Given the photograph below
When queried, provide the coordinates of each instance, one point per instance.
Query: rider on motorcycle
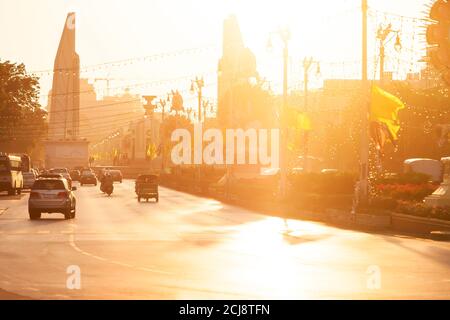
(107, 181)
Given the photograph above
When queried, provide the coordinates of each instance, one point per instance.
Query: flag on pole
(299, 125)
(298, 120)
(384, 110)
(151, 151)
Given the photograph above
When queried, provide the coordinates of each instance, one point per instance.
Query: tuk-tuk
(146, 187)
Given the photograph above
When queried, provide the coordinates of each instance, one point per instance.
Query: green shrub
(314, 201)
(424, 211)
(404, 178)
(322, 183)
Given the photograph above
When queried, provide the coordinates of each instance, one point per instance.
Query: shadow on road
(49, 221)
(5, 196)
(439, 255)
(150, 202)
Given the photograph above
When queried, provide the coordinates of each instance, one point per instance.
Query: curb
(440, 235)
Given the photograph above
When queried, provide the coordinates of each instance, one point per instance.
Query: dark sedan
(75, 175)
(116, 175)
(87, 178)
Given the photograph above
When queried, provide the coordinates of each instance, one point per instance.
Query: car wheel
(34, 215)
(68, 214)
(19, 191)
(139, 199)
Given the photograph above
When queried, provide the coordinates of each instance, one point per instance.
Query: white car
(52, 194)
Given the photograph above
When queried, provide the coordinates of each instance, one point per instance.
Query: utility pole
(364, 157)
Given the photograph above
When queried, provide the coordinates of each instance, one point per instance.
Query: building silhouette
(236, 66)
(64, 116)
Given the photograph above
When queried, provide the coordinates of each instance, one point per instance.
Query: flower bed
(423, 211)
(408, 192)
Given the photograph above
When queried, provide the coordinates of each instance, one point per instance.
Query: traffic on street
(188, 247)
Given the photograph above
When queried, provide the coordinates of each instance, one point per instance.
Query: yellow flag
(304, 122)
(384, 108)
(298, 120)
(151, 151)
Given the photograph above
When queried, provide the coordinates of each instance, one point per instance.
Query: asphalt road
(188, 247)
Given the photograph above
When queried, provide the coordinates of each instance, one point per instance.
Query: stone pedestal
(441, 197)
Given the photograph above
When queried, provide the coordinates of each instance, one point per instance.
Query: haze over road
(188, 247)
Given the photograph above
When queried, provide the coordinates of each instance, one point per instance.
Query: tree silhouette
(22, 121)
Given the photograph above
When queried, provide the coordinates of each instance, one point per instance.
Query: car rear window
(148, 179)
(49, 185)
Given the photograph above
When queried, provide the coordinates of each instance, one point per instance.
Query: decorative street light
(307, 64)
(197, 85)
(285, 36)
(382, 35)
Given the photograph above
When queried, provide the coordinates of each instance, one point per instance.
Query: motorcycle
(107, 188)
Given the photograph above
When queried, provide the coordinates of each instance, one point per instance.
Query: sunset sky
(110, 30)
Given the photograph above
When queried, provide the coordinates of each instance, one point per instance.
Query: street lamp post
(197, 86)
(149, 112)
(163, 104)
(382, 35)
(285, 36)
(363, 185)
(307, 64)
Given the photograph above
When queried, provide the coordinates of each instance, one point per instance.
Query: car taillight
(34, 195)
(63, 195)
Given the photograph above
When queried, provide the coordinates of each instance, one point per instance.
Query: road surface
(187, 247)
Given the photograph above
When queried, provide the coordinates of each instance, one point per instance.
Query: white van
(431, 167)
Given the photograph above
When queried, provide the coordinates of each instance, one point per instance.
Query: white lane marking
(19, 233)
(43, 232)
(76, 248)
(123, 264)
